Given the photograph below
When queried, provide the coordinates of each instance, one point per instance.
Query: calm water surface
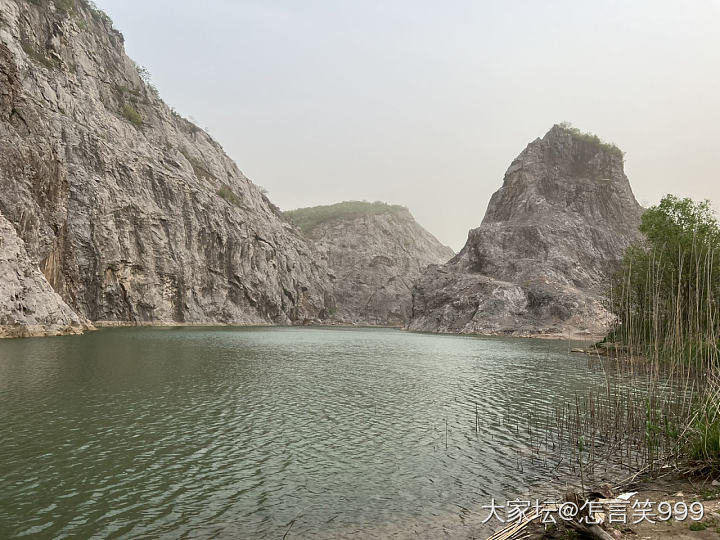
(245, 433)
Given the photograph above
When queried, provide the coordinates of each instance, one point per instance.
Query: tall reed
(658, 400)
(666, 299)
(666, 295)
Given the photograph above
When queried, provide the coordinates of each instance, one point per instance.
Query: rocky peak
(565, 171)
(564, 198)
(552, 235)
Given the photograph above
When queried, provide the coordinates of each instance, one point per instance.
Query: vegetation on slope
(309, 218)
(591, 140)
(69, 7)
(38, 56)
(667, 301)
(667, 294)
(131, 114)
(664, 406)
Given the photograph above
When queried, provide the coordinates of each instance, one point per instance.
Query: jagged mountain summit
(540, 261)
(133, 213)
(375, 252)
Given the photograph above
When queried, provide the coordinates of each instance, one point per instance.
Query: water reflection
(253, 432)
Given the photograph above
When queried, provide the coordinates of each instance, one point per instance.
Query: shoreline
(37, 331)
(668, 484)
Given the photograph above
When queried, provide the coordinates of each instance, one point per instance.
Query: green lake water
(259, 432)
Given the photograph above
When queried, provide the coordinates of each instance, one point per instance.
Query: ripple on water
(330, 433)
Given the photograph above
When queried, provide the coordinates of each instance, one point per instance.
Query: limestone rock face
(375, 253)
(133, 213)
(540, 261)
(28, 304)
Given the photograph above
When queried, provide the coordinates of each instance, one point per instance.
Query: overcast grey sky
(426, 103)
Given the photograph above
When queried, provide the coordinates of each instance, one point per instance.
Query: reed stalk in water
(662, 403)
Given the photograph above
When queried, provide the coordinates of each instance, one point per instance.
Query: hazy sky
(426, 103)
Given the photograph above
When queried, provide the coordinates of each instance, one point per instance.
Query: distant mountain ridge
(310, 217)
(375, 252)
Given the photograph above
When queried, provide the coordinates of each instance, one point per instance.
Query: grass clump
(226, 193)
(309, 218)
(65, 6)
(97, 13)
(131, 114)
(198, 168)
(591, 140)
(38, 56)
(701, 439)
(711, 494)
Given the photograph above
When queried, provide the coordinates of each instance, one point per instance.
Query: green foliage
(701, 440)
(678, 224)
(667, 301)
(667, 294)
(65, 6)
(97, 13)
(144, 75)
(131, 114)
(698, 526)
(39, 57)
(309, 218)
(198, 168)
(591, 140)
(226, 193)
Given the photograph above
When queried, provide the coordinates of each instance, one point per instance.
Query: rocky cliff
(539, 263)
(28, 304)
(375, 253)
(132, 213)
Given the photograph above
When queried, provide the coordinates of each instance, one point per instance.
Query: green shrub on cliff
(131, 114)
(38, 56)
(592, 140)
(66, 6)
(97, 13)
(229, 195)
(309, 218)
